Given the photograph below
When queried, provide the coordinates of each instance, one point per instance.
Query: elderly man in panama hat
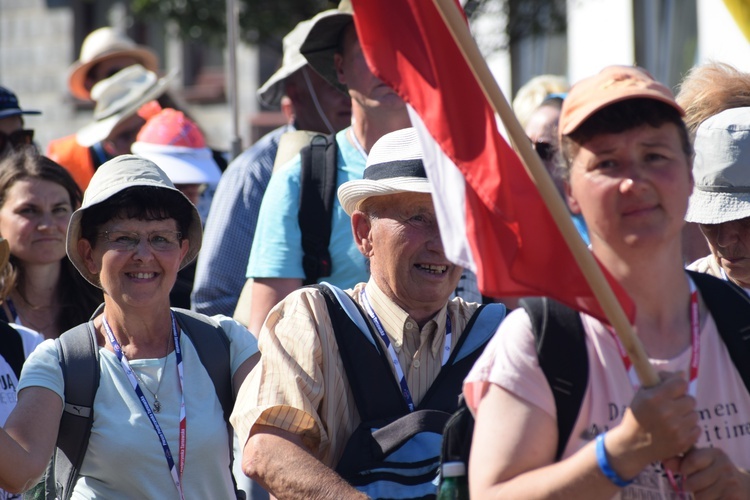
(310, 103)
(303, 404)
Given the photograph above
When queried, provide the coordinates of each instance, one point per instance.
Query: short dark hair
(137, 202)
(620, 117)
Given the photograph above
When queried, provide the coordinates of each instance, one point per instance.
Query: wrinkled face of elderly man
(399, 234)
(730, 245)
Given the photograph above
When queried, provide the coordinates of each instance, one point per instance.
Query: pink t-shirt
(510, 361)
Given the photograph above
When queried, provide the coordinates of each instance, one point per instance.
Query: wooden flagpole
(457, 26)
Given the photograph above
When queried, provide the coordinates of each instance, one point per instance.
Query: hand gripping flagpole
(610, 305)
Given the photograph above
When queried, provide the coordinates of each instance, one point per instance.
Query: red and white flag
(492, 218)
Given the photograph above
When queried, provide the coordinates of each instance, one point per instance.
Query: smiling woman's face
(141, 274)
(34, 220)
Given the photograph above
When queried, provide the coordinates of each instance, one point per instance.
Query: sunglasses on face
(16, 138)
(545, 150)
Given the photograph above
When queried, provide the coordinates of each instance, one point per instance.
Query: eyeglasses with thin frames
(127, 241)
(22, 137)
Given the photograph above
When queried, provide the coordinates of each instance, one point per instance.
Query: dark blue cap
(9, 105)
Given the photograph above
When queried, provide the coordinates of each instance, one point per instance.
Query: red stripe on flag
(517, 248)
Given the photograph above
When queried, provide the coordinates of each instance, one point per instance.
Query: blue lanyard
(405, 392)
(176, 475)
(12, 308)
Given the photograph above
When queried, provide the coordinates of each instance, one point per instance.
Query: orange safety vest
(75, 158)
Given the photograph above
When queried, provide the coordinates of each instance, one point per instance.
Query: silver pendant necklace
(157, 404)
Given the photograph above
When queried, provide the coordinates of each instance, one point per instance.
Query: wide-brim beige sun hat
(114, 176)
(119, 97)
(272, 90)
(100, 45)
(721, 169)
(322, 41)
(394, 165)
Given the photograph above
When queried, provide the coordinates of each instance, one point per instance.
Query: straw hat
(323, 39)
(114, 176)
(176, 145)
(119, 97)
(100, 45)
(271, 91)
(721, 169)
(394, 165)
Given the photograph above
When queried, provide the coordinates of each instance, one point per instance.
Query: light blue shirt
(230, 227)
(277, 247)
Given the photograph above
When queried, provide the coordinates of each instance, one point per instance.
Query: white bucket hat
(271, 91)
(100, 45)
(119, 97)
(721, 169)
(174, 142)
(394, 165)
(114, 176)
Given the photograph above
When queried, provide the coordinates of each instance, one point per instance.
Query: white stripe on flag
(449, 187)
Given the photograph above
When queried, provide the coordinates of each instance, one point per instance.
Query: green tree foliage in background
(205, 20)
(269, 20)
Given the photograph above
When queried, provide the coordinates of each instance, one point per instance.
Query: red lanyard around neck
(695, 345)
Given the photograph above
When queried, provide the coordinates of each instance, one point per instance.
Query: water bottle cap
(454, 469)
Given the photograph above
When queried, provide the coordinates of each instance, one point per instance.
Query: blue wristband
(603, 462)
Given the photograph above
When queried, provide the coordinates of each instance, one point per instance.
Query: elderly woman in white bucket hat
(720, 202)
(155, 403)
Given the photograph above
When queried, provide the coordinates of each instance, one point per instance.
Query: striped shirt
(300, 384)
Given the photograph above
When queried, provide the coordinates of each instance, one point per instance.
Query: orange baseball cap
(612, 84)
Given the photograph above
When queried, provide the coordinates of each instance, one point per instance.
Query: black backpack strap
(79, 361)
(212, 345)
(730, 309)
(11, 348)
(445, 390)
(317, 195)
(376, 392)
(561, 349)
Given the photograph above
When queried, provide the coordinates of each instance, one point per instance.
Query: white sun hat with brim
(182, 164)
(113, 177)
(394, 165)
(175, 143)
(119, 97)
(721, 169)
(271, 91)
(103, 44)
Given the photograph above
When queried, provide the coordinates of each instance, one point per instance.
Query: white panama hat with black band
(394, 165)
